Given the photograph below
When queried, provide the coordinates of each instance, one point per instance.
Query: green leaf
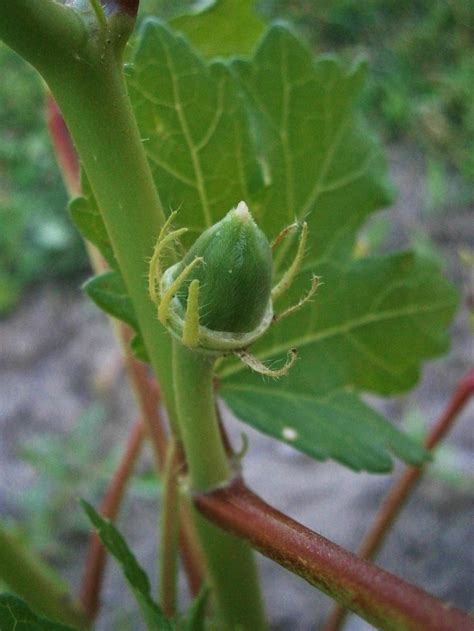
(195, 619)
(337, 425)
(368, 329)
(222, 27)
(138, 348)
(323, 164)
(109, 293)
(88, 220)
(133, 572)
(107, 290)
(15, 615)
(194, 122)
(282, 132)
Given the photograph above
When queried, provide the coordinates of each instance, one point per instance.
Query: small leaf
(109, 293)
(15, 615)
(87, 218)
(133, 572)
(222, 27)
(195, 618)
(91, 226)
(138, 348)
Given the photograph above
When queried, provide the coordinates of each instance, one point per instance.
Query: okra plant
(225, 174)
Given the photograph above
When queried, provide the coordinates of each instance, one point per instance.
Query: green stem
(82, 64)
(111, 151)
(230, 561)
(169, 533)
(30, 579)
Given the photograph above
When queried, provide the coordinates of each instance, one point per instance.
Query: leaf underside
(281, 131)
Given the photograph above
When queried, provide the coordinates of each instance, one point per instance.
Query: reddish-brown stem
(377, 596)
(96, 556)
(64, 149)
(147, 395)
(402, 489)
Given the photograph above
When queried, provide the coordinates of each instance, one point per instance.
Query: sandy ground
(58, 357)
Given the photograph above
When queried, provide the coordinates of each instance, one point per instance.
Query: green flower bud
(235, 276)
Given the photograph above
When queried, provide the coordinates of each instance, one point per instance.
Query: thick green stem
(230, 561)
(111, 151)
(81, 62)
(30, 579)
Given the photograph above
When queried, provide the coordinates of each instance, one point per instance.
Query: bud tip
(242, 212)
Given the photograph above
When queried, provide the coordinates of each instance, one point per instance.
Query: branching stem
(382, 599)
(230, 563)
(401, 490)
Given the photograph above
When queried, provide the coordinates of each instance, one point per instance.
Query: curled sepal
(315, 282)
(257, 366)
(165, 240)
(172, 289)
(290, 274)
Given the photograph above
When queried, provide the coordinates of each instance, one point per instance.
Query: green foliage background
(37, 241)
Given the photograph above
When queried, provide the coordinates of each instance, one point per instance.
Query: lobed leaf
(15, 615)
(194, 123)
(282, 132)
(323, 165)
(133, 572)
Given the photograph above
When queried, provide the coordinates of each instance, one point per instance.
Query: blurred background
(65, 410)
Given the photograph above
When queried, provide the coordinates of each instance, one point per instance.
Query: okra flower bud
(235, 276)
(219, 298)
